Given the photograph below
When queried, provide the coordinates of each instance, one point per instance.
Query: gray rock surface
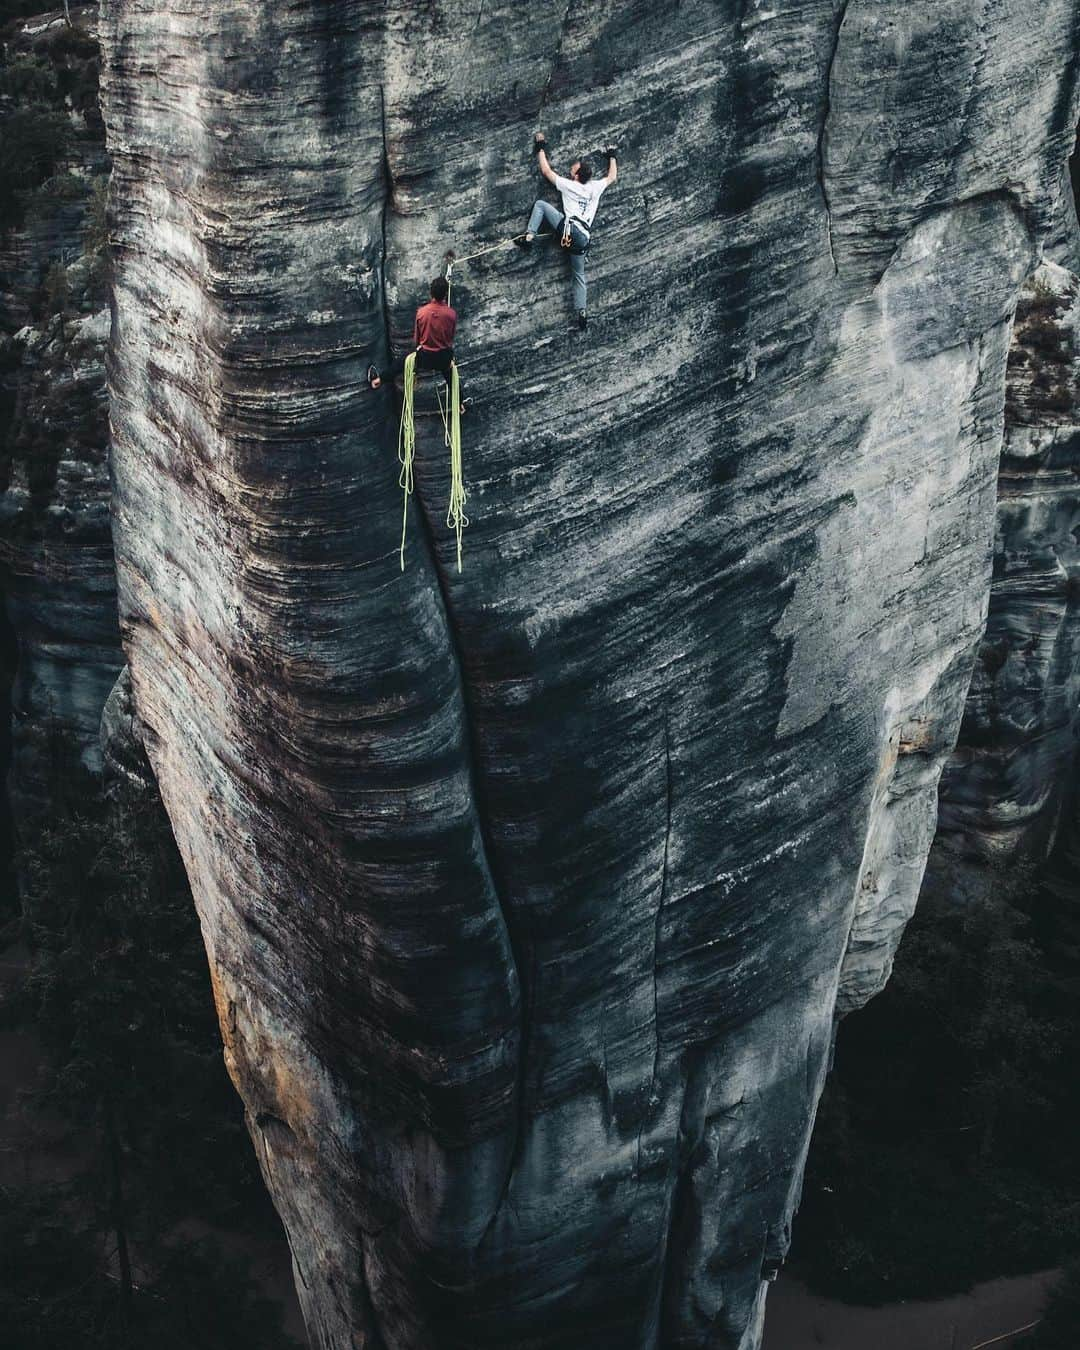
(57, 576)
(531, 893)
(1005, 787)
(126, 767)
(1004, 790)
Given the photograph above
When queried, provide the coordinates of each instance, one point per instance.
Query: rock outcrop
(531, 893)
(1005, 788)
(126, 767)
(56, 564)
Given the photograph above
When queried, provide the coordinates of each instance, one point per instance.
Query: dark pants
(543, 213)
(440, 360)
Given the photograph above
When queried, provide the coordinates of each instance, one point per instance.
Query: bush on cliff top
(49, 114)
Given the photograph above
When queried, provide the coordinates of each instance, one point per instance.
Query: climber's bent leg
(396, 368)
(543, 213)
(440, 361)
(577, 273)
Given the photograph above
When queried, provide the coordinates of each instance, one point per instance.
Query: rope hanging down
(456, 518)
(406, 443)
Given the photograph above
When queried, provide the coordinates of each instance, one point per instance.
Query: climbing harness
(569, 242)
(450, 412)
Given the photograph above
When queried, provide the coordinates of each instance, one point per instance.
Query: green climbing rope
(406, 443)
(456, 518)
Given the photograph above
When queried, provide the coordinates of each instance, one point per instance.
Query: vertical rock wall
(530, 892)
(1005, 788)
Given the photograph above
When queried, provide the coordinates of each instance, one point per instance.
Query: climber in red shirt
(433, 338)
(433, 331)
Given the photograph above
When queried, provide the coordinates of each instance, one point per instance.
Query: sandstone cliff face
(57, 575)
(530, 893)
(1005, 788)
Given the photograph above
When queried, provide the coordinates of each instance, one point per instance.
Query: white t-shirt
(579, 200)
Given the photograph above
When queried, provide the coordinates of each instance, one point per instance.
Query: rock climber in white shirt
(580, 195)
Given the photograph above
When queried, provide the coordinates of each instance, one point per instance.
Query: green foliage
(945, 1147)
(28, 80)
(54, 1289)
(206, 1299)
(57, 289)
(32, 143)
(44, 81)
(96, 235)
(58, 1292)
(18, 9)
(1060, 1325)
(60, 188)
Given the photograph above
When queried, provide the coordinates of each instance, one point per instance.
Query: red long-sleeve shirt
(435, 326)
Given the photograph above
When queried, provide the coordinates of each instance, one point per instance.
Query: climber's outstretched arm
(612, 167)
(541, 155)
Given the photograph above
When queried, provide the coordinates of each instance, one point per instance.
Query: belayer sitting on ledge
(433, 338)
(580, 195)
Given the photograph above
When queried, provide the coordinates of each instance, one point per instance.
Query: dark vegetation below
(945, 1149)
(1059, 1328)
(118, 1246)
(53, 249)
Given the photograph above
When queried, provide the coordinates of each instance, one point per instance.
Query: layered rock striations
(57, 576)
(1004, 789)
(531, 892)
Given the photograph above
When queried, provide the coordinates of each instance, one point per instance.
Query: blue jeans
(543, 213)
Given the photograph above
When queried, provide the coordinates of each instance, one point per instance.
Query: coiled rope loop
(456, 518)
(406, 443)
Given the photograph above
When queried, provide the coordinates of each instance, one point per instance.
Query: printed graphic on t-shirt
(580, 199)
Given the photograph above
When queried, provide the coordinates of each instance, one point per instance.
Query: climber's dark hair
(439, 289)
(584, 171)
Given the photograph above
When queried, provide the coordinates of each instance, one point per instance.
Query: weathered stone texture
(57, 577)
(529, 892)
(1005, 788)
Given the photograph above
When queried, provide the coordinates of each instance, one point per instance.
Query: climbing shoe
(582, 319)
(523, 243)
